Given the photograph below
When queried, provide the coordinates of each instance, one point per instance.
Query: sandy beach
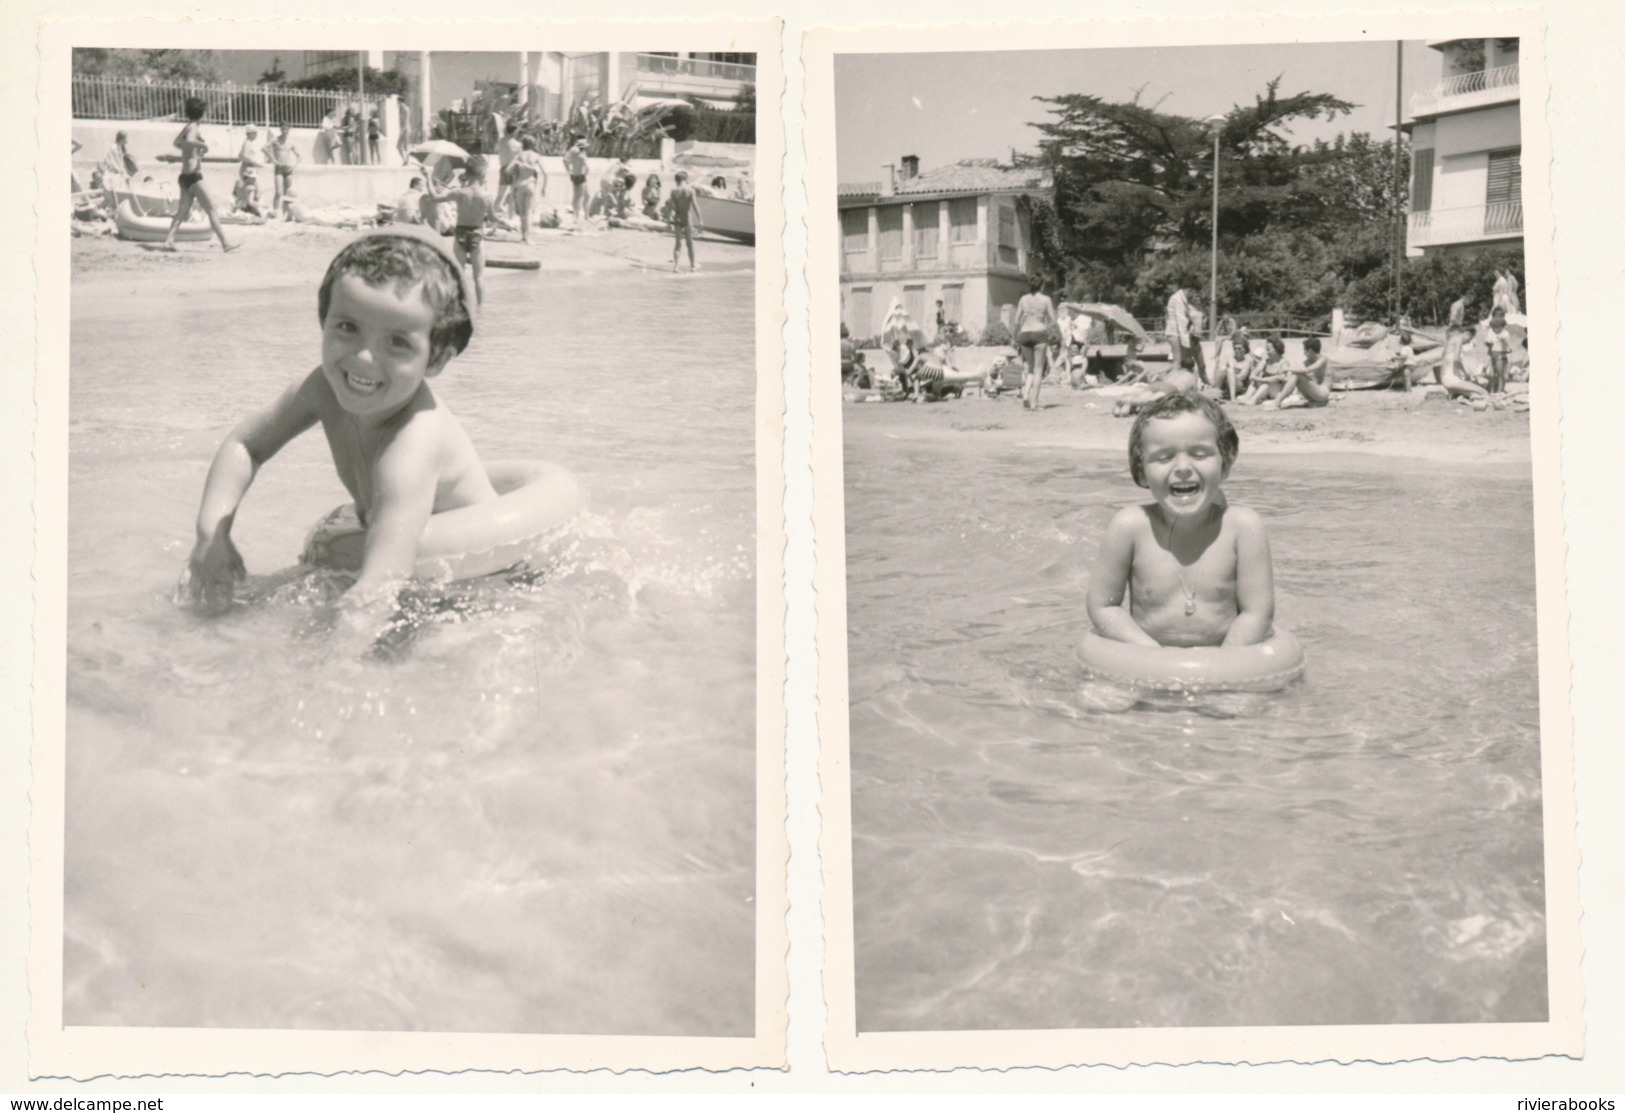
(1379, 422)
(275, 253)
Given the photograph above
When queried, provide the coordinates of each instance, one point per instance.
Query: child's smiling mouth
(360, 385)
(1184, 488)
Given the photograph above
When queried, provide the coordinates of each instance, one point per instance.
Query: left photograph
(413, 593)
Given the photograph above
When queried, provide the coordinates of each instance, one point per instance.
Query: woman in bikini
(193, 148)
(1035, 316)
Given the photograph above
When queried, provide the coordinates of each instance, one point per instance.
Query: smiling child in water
(1195, 570)
(393, 310)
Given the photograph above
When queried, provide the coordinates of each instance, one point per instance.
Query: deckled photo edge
(56, 1051)
(851, 1051)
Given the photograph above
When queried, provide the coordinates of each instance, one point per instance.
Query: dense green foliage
(146, 65)
(1302, 228)
(378, 82)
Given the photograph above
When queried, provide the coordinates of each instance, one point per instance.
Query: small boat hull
(154, 229)
(729, 216)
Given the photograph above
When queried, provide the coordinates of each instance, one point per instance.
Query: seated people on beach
(904, 355)
(1186, 568)
(473, 207)
(245, 195)
(849, 355)
(409, 205)
(1450, 372)
(393, 310)
(1234, 365)
(1307, 385)
(1270, 380)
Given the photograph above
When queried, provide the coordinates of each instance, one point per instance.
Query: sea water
(535, 812)
(1363, 848)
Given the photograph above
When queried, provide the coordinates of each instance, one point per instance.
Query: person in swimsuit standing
(1035, 316)
(284, 157)
(529, 182)
(473, 206)
(575, 163)
(193, 148)
(684, 207)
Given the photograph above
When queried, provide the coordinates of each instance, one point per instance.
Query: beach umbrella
(438, 148)
(1116, 314)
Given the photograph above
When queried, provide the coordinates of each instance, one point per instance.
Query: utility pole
(1399, 193)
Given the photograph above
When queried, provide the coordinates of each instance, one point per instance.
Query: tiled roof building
(955, 233)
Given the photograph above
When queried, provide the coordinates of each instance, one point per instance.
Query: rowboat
(728, 216)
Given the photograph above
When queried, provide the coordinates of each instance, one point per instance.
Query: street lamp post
(1216, 123)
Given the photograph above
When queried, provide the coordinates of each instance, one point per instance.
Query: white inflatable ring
(1270, 665)
(533, 500)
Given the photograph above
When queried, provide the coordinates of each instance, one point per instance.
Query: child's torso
(460, 478)
(1162, 588)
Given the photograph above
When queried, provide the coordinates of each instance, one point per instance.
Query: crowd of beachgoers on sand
(1100, 348)
(469, 198)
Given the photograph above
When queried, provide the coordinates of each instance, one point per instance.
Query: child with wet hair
(393, 310)
(1186, 568)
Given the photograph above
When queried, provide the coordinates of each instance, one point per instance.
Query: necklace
(1185, 589)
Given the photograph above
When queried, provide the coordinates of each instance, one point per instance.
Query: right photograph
(1197, 534)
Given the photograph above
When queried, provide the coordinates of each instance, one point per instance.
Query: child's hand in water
(212, 574)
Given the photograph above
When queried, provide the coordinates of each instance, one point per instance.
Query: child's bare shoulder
(1131, 521)
(1244, 521)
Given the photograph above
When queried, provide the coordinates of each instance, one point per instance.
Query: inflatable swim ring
(153, 229)
(1266, 667)
(533, 500)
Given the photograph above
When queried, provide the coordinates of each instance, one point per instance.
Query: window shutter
(1506, 177)
(1422, 180)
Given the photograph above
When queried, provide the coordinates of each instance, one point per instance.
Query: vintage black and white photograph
(1192, 539)
(414, 543)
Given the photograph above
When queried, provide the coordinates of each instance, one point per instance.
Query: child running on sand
(393, 310)
(473, 207)
(1193, 569)
(684, 208)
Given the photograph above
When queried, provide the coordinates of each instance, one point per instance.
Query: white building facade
(1466, 151)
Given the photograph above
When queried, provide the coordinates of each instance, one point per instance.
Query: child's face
(376, 345)
(1184, 470)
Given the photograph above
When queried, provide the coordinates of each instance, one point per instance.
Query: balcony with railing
(670, 75)
(1478, 89)
(1502, 220)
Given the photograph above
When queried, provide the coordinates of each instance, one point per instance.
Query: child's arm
(1255, 580)
(215, 566)
(1108, 583)
(405, 479)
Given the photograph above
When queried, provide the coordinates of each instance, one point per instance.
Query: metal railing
(113, 98)
(1466, 85)
(695, 67)
(1465, 225)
